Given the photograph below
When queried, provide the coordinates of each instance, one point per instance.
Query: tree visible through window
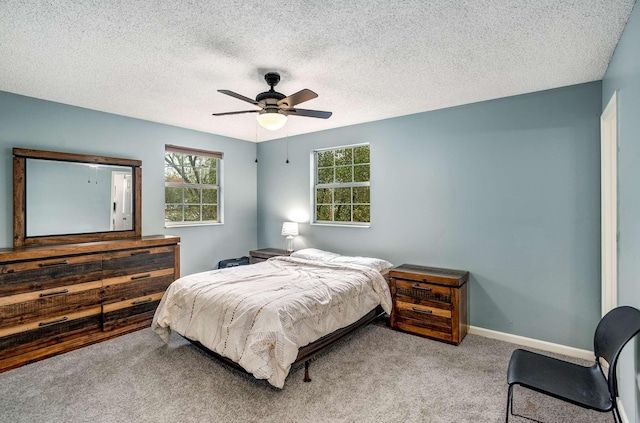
(192, 186)
(342, 184)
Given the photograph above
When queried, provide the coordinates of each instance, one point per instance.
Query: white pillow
(374, 263)
(314, 254)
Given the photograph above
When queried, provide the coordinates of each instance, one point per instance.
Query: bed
(266, 317)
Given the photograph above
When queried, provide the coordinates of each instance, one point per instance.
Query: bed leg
(306, 371)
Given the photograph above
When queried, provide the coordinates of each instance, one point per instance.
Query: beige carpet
(377, 375)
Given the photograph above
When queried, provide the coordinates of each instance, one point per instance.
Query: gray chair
(586, 387)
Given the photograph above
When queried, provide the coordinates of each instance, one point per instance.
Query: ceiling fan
(275, 106)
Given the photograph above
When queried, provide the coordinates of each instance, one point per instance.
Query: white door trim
(609, 203)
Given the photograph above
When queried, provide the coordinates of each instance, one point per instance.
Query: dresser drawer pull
(148, 300)
(148, 275)
(43, 324)
(421, 288)
(51, 294)
(419, 310)
(56, 263)
(135, 253)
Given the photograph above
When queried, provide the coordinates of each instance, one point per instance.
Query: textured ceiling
(367, 59)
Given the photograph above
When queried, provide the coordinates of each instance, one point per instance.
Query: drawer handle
(421, 288)
(419, 310)
(148, 275)
(51, 294)
(135, 253)
(55, 263)
(148, 300)
(42, 324)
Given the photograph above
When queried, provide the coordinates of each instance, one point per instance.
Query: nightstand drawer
(417, 311)
(416, 292)
(423, 320)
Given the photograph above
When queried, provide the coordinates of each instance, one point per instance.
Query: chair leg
(509, 403)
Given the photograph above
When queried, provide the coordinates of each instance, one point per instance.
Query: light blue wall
(623, 75)
(31, 123)
(508, 189)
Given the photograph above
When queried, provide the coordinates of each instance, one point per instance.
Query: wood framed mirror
(66, 198)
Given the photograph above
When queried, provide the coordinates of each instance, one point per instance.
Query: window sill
(341, 225)
(191, 224)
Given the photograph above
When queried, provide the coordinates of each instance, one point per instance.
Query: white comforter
(259, 315)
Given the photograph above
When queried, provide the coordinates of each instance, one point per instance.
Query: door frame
(609, 203)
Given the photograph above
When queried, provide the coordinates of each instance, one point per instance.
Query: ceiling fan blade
(235, 113)
(297, 98)
(241, 97)
(307, 113)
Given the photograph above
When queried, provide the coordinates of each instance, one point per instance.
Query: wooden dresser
(58, 298)
(256, 256)
(430, 301)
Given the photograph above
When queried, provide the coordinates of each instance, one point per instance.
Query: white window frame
(315, 185)
(219, 186)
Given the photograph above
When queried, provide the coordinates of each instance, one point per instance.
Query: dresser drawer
(32, 306)
(134, 311)
(422, 293)
(27, 276)
(138, 285)
(48, 331)
(141, 260)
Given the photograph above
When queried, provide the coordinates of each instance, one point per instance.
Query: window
(341, 185)
(192, 186)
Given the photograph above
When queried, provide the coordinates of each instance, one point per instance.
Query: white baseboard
(533, 343)
(623, 414)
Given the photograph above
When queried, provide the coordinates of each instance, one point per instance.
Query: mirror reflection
(75, 198)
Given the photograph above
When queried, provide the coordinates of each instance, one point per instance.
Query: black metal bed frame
(306, 353)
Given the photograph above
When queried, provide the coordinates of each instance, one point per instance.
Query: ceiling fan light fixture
(271, 120)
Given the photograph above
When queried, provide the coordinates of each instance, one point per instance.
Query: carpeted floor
(376, 375)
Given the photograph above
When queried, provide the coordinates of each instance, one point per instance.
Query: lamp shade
(289, 229)
(271, 120)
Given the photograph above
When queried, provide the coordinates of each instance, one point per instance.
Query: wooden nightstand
(430, 301)
(256, 256)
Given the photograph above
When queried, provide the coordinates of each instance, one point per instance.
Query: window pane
(325, 158)
(361, 213)
(210, 196)
(361, 173)
(323, 213)
(344, 156)
(342, 213)
(171, 175)
(343, 174)
(189, 175)
(173, 213)
(191, 213)
(173, 195)
(210, 212)
(192, 195)
(342, 195)
(361, 154)
(361, 195)
(324, 195)
(325, 175)
(209, 176)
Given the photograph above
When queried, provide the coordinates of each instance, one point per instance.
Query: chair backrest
(615, 329)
